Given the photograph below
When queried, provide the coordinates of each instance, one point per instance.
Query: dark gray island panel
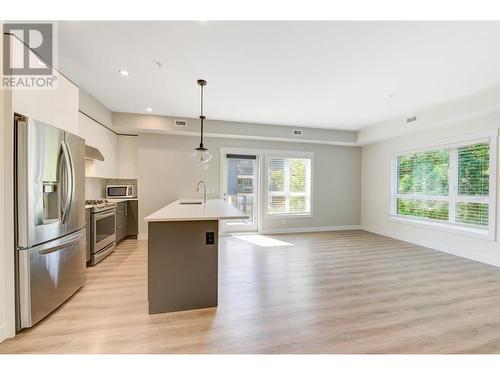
(87, 234)
(182, 267)
(133, 218)
(121, 220)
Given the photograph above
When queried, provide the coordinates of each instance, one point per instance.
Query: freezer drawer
(49, 274)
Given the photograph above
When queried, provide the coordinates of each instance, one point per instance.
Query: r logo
(36, 36)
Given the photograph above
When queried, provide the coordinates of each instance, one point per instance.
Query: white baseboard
(142, 236)
(432, 244)
(397, 236)
(311, 229)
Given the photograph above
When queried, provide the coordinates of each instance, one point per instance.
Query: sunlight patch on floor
(262, 241)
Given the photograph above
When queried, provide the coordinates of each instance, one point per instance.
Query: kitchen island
(183, 254)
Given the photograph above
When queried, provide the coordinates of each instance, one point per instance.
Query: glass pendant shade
(203, 156)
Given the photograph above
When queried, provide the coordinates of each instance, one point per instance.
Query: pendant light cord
(201, 101)
(201, 117)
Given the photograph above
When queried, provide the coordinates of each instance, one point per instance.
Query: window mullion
(452, 184)
(287, 185)
(394, 185)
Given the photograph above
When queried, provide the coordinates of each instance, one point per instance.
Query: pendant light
(201, 153)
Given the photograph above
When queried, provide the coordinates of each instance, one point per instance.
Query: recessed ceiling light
(123, 72)
(149, 109)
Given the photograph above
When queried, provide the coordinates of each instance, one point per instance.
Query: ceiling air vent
(297, 131)
(411, 119)
(181, 123)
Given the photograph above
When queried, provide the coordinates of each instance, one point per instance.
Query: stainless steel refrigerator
(50, 217)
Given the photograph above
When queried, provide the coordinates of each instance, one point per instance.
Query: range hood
(93, 153)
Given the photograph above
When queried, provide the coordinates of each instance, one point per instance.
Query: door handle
(70, 186)
(47, 249)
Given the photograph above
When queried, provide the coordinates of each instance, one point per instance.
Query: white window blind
(289, 186)
(450, 185)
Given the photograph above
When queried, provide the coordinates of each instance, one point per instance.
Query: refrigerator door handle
(47, 248)
(72, 177)
(70, 186)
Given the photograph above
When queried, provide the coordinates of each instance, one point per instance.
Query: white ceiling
(338, 75)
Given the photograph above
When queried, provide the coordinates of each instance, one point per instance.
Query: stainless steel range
(102, 229)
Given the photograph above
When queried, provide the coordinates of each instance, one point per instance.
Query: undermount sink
(190, 202)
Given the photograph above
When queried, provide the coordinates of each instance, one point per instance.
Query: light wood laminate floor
(331, 292)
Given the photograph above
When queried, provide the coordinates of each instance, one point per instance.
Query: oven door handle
(102, 215)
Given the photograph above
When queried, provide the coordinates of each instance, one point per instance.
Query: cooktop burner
(100, 204)
(95, 201)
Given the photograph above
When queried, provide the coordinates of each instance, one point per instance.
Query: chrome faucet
(204, 190)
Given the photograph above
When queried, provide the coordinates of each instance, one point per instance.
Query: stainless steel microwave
(120, 191)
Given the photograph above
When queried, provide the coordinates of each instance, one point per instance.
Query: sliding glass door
(240, 188)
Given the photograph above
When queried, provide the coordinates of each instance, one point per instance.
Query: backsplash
(95, 187)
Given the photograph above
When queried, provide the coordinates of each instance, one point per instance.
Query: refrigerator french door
(50, 218)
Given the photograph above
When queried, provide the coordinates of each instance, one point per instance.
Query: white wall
(470, 107)
(166, 172)
(131, 122)
(375, 187)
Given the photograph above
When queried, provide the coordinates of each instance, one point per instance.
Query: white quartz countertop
(214, 209)
(118, 200)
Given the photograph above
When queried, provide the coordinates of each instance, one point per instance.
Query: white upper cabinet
(103, 139)
(33, 103)
(65, 105)
(127, 157)
(56, 106)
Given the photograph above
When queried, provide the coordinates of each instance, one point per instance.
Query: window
(450, 184)
(288, 186)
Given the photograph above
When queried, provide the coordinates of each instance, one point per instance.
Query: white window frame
(288, 155)
(452, 145)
